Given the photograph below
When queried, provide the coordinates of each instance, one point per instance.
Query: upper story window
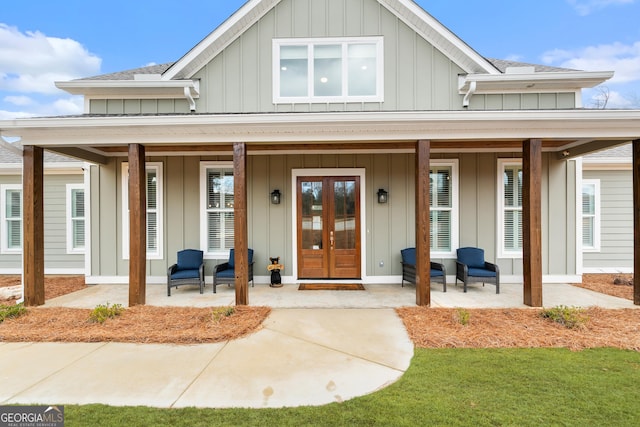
(328, 70)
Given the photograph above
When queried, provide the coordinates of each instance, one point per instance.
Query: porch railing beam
(241, 234)
(532, 221)
(137, 225)
(423, 238)
(33, 225)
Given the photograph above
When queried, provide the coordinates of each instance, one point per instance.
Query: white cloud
(30, 62)
(19, 100)
(622, 58)
(586, 7)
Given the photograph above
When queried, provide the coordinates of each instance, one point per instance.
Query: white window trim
(3, 217)
(70, 248)
(218, 255)
(597, 216)
(125, 210)
(455, 214)
(502, 252)
(344, 41)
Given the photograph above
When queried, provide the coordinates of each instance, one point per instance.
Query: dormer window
(328, 70)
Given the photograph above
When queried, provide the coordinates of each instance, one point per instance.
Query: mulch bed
(427, 327)
(54, 285)
(141, 324)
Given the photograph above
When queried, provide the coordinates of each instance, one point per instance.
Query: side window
(443, 195)
(75, 218)
(11, 201)
(591, 215)
(510, 208)
(217, 202)
(154, 210)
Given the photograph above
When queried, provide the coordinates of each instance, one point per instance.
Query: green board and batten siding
(388, 228)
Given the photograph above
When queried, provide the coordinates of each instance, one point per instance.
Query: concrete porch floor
(375, 296)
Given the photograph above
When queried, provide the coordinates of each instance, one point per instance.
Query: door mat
(331, 287)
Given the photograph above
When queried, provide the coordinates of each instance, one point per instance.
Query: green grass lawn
(452, 387)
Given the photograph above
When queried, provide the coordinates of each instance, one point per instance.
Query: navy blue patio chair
(437, 271)
(471, 267)
(225, 272)
(188, 270)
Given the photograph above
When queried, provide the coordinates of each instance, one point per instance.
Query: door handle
(331, 242)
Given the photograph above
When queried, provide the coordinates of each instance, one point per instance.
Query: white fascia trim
(450, 44)
(574, 124)
(546, 81)
(220, 38)
(132, 89)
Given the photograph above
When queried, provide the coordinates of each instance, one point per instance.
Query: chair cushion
(229, 273)
(186, 274)
(471, 257)
(481, 272)
(435, 273)
(409, 256)
(189, 259)
(232, 256)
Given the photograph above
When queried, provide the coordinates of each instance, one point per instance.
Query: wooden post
(636, 221)
(33, 225)
(137, 225)
(423, 224)
(532, 221)
(241, 235)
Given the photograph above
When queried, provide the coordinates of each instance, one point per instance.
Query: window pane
(362, 70)
(77, 203)
(152, 231)
(14, 204)
(509, 187)
(152, 189)
(588, 199)
(327, 65)
(14, 237)
(513, 230)
(214, 232)
(440, 230)
(78, 234)
(587, 232)
(294, 70)
(227, 188)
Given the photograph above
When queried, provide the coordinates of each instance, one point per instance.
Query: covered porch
(566, 134)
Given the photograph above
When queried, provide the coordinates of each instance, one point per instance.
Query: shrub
(570, 317)
(11, 311)
(462, 316)
(220, 312)
(103, 312)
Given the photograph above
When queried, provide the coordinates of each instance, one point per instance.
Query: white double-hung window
(443, 212)
(216, 209)
(328, 70)
(510, 208)
(75, 218)
(591, 215)
(11, 205)
(154, 210)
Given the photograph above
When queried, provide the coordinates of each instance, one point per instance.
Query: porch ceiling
(568, 132)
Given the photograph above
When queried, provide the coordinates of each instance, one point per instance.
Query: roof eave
(533, 82)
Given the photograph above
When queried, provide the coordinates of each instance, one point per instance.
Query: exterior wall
(57, 260)
(388, 228)
(616, 216)
(417, 76)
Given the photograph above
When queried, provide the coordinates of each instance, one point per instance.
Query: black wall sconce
(275, 197)
(383, 196)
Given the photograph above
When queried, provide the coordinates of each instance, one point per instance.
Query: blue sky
(42, 41)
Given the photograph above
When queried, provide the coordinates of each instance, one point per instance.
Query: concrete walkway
(300, 357)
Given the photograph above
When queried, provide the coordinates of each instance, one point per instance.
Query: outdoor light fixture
(383, 196)
(275, 197)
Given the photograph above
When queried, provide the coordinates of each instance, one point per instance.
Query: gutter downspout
(189, 96)
(472, 89)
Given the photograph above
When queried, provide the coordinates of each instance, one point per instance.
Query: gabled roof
(406, 10)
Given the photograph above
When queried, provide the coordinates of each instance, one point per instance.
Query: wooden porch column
(532, 221)
(636, 221)
(33, 225)
(241, 235)
(423, 237)
(137, 225)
